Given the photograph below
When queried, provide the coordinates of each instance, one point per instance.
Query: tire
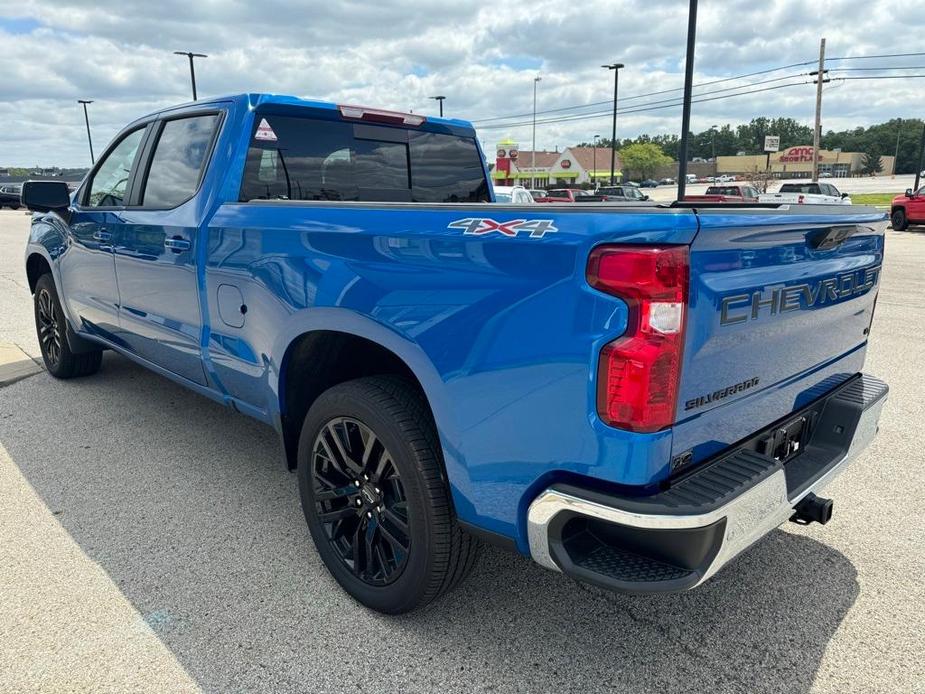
(898, 220)
(51, 328)
(399, 500)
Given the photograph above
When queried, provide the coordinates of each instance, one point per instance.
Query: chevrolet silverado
(629, 395)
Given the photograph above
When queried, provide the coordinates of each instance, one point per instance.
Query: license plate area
(788, 440)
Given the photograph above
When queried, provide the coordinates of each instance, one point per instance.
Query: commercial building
(573, 166)
(797, 162)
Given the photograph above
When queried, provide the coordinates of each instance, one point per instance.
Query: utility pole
(613, 133)
(899, 130)
(713, 149)
(820, 74)
(440, 100)
(533, 149)
(688, 89)
(87, 121)
(918, 169)
(192, 70)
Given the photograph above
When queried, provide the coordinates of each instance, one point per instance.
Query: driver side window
(107, 189)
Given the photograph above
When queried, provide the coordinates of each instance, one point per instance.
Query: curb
(15, 364)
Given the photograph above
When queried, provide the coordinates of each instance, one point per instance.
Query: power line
(647, 94)
(871, 57)
(880, 77)
(641, 109)
(705, 84)
(673, 103)
(883, 68)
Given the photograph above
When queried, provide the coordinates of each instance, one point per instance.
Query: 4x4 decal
(478, 226)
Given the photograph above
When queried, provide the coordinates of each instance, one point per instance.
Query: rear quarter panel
(502, 331)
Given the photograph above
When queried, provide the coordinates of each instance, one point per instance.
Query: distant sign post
(771, 144)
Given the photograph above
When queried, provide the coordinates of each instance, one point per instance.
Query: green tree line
(875, 141)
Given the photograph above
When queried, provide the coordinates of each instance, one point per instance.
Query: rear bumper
(678, 538)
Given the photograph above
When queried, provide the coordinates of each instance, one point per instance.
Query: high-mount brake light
(639, 372)
(376, 115)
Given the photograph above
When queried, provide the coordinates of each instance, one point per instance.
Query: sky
(483, 56)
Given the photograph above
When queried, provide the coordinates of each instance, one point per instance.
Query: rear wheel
(898, 219)
(51, 328)
(375, 497)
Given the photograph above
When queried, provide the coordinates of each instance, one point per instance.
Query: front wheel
(51, 329)
(898, 220)
(375, 497)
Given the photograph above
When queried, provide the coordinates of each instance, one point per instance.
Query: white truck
(807, 194)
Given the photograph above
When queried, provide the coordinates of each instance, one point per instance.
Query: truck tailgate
(780, 306)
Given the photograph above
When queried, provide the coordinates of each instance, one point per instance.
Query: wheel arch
(334, 351)
(36, 266)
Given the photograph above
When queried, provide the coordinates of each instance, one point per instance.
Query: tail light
(638, 374)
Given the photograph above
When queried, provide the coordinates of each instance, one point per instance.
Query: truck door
(155, 252)
(88, 276)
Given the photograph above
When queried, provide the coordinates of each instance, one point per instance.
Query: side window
(178, 161)
(107, 189)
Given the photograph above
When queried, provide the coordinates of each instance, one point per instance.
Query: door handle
(102, 235)
(177, 244)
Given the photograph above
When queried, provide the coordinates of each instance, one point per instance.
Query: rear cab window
(303, 157)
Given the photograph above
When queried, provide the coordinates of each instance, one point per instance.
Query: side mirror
(844, 195)
(45, 196)
(645, 197)
(908, 192)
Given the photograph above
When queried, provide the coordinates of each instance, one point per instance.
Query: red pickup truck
(726, 193)
(908, 208)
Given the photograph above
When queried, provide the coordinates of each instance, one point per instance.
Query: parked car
(622, 193)
(825, 174)
(908, 208)
(568, 195)
(631, 396)
(649, 183)
(9, 196)
(536, 194)
(513, 194)
(726, 193)
(807, 194)
(725, 178)
(667, 182)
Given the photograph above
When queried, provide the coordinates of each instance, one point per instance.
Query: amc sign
(797, 154)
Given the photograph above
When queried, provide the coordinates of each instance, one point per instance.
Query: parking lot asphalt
(150, 540)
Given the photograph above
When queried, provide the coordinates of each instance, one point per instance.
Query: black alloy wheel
(376, 496)
(360, 501)
(51, 333)
(52, 330)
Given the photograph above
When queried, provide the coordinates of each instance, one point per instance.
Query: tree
(643, 159)
(871, 163)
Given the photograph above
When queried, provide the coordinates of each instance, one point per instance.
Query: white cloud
(482, 56)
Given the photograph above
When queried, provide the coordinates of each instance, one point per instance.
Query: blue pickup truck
(632, 395)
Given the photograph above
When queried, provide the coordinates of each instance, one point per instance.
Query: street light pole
(533, 149)
(192, 70)
(440, 100)
(613, 135)
(594, 158)
(688, 89)
(87, 121)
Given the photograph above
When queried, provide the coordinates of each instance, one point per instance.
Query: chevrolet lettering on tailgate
(739, 308)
